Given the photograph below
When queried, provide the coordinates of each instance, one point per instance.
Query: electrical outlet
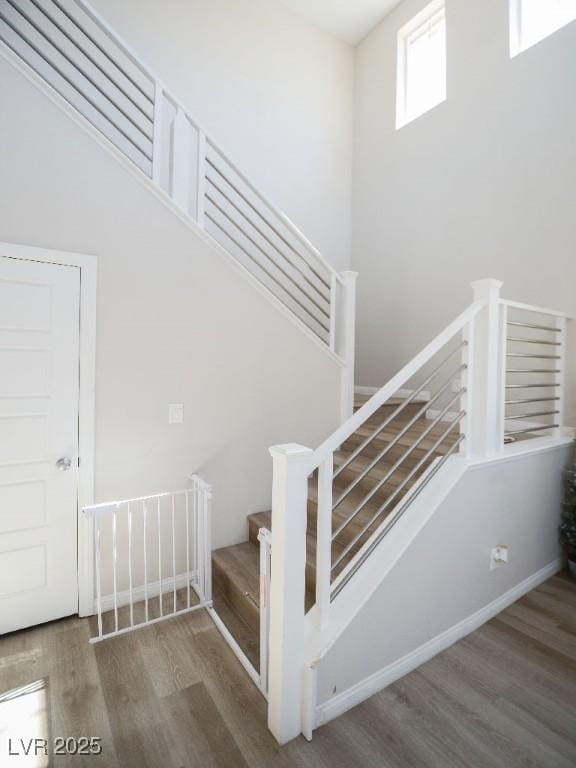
(176, 413)
(498, 556)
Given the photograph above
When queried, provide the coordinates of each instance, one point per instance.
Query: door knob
(64, 463)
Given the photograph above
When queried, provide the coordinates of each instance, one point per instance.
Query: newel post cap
(349, 276)
(489, 288)
(290, 452)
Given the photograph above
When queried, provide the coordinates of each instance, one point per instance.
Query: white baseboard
(123, 598)
(358, 693)
(423, 396)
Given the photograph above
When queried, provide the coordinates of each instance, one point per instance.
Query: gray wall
(444, 577)
(484, 185)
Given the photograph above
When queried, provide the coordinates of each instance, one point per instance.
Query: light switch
(176, 413)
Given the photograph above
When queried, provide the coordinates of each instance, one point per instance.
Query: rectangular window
(421, 81)
(533, 20)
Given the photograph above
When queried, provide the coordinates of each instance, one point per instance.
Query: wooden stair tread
(236, 569)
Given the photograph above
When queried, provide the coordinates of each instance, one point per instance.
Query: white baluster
(145, 527)
(207, 492)
(160, 595)
(114, 558)
(130, 564)
(187, 497)
(265, 539)
(174, 552)
(199, 532)
(324, 541)
(98, 566)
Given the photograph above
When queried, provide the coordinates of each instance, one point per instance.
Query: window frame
(427, 16)
(517, 45)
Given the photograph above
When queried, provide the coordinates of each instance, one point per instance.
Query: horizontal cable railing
(334, 508)
(71, 47)
(534, 354)
(386, 451)
(66, 47)
(152, 558)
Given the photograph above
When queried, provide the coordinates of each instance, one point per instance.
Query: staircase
(494, 376)
(69, 51)
(410, 446)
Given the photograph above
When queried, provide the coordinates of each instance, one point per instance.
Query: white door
(39, 389)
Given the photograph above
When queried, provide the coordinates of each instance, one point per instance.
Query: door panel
(39, 387)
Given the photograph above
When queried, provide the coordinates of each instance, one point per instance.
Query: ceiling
(349, 20)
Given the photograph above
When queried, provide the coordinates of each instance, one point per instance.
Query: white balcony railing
(72, 48)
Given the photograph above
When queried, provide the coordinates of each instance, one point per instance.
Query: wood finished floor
(173, 695)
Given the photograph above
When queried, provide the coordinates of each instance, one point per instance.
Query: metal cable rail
(406, 454)
(247, 253)
(534, 326)
(33, 4)
(325, 310)
(397, 439)
(401, 408)
(539, 385)
(210, 163)
(533, 356)
(532, 429)
(72, 48)
(522, 416)
(401, 487)
(345, 576)
(46, 51)
(534, 341)
(538, 340)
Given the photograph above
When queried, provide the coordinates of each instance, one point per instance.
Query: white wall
(273, 90)
(444, 577)
(176, 323)
(482, 186)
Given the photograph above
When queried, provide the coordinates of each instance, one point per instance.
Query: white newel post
(347, 346)
(486, 379)
(291, 466)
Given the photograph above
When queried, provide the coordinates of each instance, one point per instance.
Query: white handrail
(389, 389)
(89, 511)
(536, 310)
